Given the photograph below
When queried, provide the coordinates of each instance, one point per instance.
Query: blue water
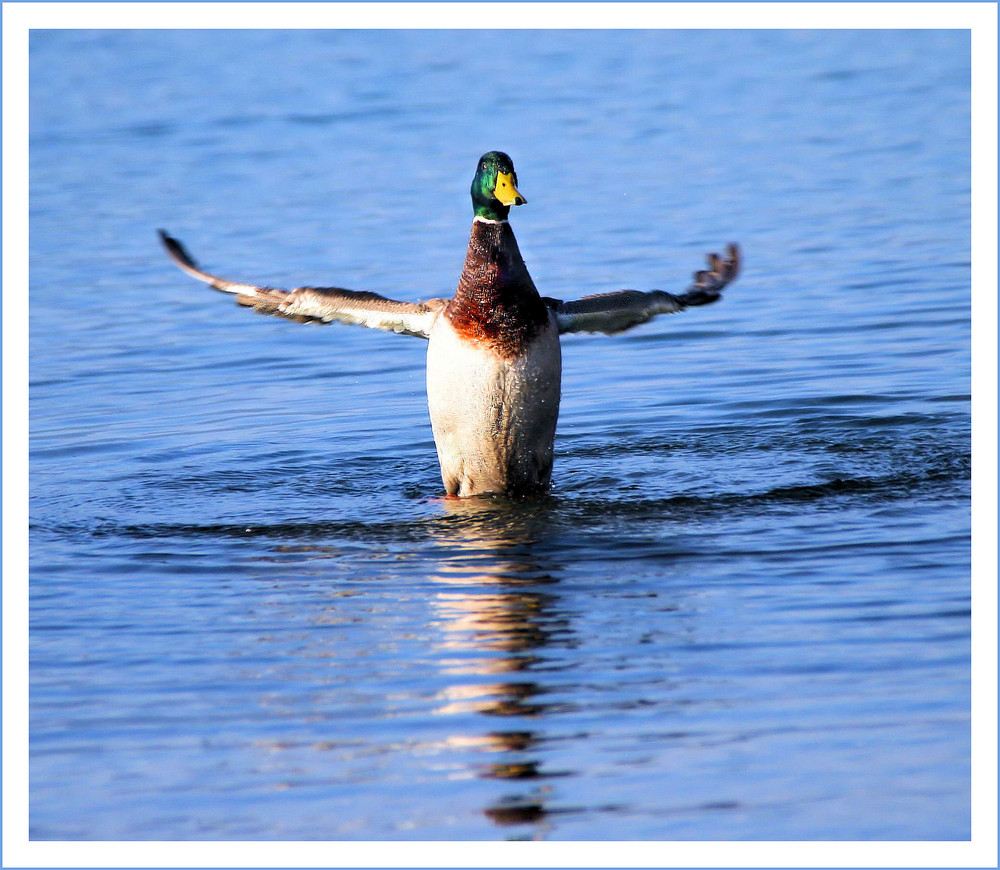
(743, 611)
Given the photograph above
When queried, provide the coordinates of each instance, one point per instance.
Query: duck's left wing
(615, 312)
(318, 304)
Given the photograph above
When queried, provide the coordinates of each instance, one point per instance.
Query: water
(743, 611)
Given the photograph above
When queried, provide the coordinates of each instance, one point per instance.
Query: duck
(494, 365)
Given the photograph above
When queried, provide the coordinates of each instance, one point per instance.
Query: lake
(743, 611)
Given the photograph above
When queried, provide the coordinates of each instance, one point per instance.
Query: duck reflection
(495, 618)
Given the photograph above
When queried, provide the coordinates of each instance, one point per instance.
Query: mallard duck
(493, 359)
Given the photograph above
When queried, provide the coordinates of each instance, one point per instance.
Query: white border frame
(18, 18)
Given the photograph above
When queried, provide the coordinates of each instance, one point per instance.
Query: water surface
(743, 610)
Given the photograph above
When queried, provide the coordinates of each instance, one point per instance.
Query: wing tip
(721, 269)
(186, 263)
(177, 251)
(734, 261)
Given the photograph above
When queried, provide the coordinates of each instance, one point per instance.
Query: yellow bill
(505, 191)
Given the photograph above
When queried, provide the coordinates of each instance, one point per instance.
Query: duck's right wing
(318, 304)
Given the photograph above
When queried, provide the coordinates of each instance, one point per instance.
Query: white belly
(494, 420)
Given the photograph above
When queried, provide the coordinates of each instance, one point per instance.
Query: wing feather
(318, 304)
(615, 312)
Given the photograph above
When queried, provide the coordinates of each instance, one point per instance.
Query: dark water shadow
(518, 523)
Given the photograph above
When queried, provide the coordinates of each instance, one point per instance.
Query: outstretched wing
(615, 312)
(318, 304)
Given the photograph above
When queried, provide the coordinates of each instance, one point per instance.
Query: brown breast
(496, 302)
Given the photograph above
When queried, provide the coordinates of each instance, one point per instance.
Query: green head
(494, 189)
